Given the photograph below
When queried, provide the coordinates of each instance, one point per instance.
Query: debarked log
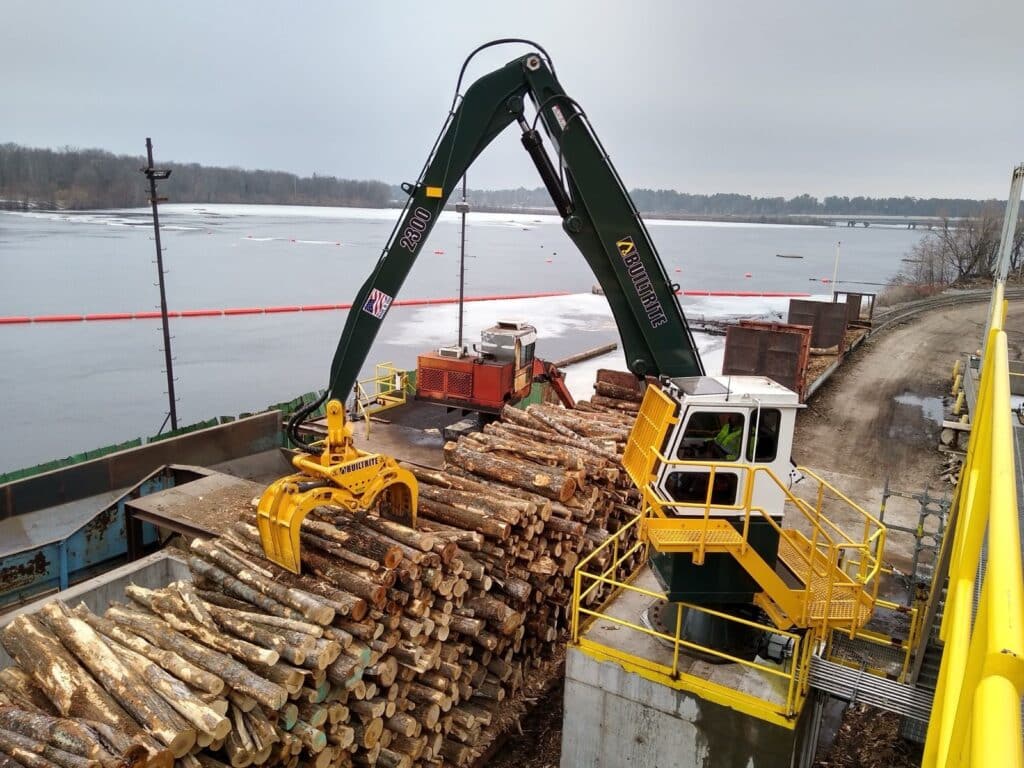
(547, 481)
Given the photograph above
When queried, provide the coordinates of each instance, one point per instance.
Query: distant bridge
(908, 222)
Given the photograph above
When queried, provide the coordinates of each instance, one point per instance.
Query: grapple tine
(345, 477)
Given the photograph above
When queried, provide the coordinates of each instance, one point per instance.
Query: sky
(919, 98)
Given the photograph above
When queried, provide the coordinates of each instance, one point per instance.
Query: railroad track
(894, 316)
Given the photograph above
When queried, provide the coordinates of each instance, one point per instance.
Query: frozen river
(65, 388)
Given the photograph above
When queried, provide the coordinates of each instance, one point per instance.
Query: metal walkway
(854, 685)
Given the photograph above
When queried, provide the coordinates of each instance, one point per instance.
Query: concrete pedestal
(618, 719)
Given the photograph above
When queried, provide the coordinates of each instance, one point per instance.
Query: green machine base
(721, 579)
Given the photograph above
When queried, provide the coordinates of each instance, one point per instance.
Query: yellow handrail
(387, 388)
(834, 543)
(795, 674)
(976, 715)
(905, 644)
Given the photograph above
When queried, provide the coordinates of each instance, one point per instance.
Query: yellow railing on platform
(902, 647)
(387, 388)
(610, 560)
(860, 557)
(976, 716)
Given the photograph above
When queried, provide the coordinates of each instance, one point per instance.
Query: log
(389, 759)
(403, 723)
(314, 714)
(176, 694)
(572, 442)
(33, 753)
(374, 593)
(338, 550)
(619, 405)
(508, 510)
(470, 540)
(342, 736)
(22, 690)
(343, 603)
(461, 518)
(492, 609)
(234, 674)
(71, 689)
(303, 602)
(568, 456)
(288, 677)
(399, 532)
(312, 738)
(407, 745)
(195, 676)
(138, 751)
(292, 625)
(368, 734)
(460, 754)
(234, 587)
(195, 606)
(66, 734)
(547, 481)
(172, 610)
(121, 682)
(377, 550)
(293, 647)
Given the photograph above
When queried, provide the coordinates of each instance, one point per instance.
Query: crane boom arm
(597, 214)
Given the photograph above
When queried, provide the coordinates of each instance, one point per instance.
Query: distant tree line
(669, 201)
(92, 178)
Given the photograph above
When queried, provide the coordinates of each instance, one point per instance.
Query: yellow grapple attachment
(342, 476)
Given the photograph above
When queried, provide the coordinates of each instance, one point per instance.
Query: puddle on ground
(916, 418)
(932, 408)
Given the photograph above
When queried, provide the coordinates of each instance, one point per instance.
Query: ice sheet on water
(552, 317)
(131, 217)
(557, 315)
(476, 218)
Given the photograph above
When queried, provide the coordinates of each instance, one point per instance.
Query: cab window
(692, 488)
(763, 440)
(714, 435)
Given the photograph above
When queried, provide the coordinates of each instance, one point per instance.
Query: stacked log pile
(395, 648)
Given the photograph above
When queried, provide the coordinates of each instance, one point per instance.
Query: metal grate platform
(684, 540)
(846, 601)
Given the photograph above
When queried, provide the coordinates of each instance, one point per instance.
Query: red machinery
(502, 370)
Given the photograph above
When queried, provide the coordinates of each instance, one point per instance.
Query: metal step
(863, 687)
(836, 597)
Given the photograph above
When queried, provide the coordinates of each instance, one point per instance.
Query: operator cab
(741, 420)
(724, 459)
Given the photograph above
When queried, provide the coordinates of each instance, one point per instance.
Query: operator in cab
(727, 441)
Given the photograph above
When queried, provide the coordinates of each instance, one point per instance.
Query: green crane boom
(597, 213)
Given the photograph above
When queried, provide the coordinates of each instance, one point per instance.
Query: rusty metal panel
(860, 307)
(852, 307)
(827, 320)
(776, 350)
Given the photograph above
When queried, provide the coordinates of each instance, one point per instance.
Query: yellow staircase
(823, 580)
(817, 593)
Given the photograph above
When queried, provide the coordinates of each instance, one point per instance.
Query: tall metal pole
(835, 271)
(1002, 265)
(152, 175)
(1009, 223)
(463, 208)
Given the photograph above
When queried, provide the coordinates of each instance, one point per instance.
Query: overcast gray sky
(874, 98)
